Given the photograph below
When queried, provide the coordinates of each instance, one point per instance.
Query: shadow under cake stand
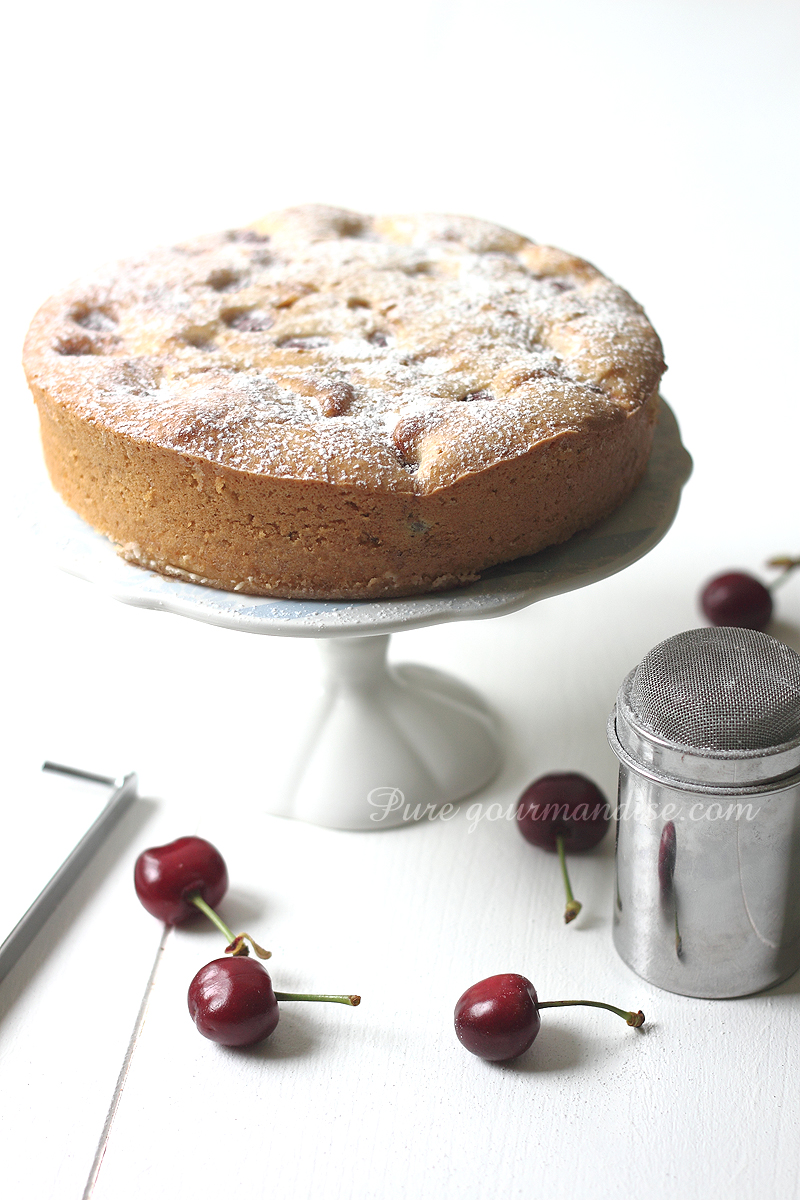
(386, 742)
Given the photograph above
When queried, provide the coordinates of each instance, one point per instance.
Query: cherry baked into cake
(331, 405)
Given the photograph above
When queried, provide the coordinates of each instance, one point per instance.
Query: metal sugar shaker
(707, 893)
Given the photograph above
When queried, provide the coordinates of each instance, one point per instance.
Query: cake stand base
(387, 744)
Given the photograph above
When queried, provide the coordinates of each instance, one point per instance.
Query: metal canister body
(707, 889)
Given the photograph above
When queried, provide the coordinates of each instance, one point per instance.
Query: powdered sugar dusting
(399, 352)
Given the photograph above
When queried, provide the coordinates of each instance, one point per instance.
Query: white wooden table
(666, 159)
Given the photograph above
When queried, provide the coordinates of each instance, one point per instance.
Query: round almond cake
(331, 405)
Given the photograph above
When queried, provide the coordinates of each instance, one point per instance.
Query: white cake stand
(390, 744)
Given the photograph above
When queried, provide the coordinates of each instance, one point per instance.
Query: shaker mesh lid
(719, 689)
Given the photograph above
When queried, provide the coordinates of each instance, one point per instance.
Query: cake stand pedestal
(390, 744)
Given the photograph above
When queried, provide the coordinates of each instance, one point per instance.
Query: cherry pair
(231, 1000)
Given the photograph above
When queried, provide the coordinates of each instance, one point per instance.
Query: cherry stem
(236, 941)
(573, 906)
(786, 565)
(636, 1019)
(213, 917)
(352, 1000)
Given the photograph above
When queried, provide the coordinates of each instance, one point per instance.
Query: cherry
(563, 811)
(498, 1018)
(174, 881)
(737, 598)
(231, 1001)
(166, 877)
(563, 804)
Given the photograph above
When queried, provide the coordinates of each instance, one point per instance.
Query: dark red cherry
(166, 876)
(563, 804)
(498, 1018)
(737, 598)
(231, 1001)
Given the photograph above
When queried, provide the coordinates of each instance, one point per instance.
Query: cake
(331, 405)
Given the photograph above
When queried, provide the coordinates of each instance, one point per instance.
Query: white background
(659, 140)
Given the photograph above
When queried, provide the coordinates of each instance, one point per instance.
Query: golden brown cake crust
(332, 405)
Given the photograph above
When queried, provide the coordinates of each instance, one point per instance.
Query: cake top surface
(397, 352)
